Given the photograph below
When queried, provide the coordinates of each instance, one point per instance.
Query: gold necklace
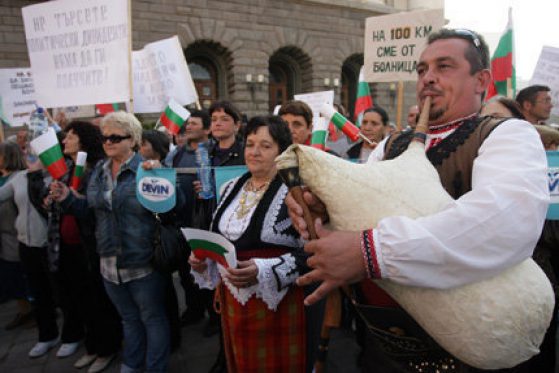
(250, 197)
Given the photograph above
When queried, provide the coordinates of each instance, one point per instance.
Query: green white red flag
(211, 245)
(174, 116)
(79, 169)
(363, 100)
(341, 122)
(319, 133)
(502, 65)
(49, 151)
(103, 109)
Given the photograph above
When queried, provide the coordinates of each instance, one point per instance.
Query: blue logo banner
(156, 189)
(553, 180)
(224, 174)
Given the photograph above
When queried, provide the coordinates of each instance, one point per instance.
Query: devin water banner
(156, 188)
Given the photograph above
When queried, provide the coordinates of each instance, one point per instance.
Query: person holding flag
(373, 126)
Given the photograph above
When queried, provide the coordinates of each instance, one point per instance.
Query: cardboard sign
(393, 44)
(547, 73)
(156, 189)
(79, 51)
(553, 182)
(316, 100)
(18, 95)
(160, 73)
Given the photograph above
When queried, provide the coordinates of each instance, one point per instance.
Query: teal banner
(553, 180)
(224, 174)
(156, 189)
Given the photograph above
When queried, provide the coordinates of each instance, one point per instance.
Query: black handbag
(170, 248)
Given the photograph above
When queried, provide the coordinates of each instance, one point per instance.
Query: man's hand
(197, 264)
(316, 207)
(336, 261)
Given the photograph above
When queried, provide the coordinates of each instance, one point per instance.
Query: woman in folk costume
(262, 311)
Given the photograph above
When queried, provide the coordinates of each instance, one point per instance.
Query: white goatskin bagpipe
(491, 324)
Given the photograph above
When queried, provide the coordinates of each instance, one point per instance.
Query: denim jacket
(124, 229)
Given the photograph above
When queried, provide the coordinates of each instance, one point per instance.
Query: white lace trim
(270, 271)
(272, 230)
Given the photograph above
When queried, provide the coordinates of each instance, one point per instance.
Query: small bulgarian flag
(50, 153)
(341, 122)
(363, 100)
(174, 117)
(78, 170)
(319, 133)
(103, 109)
(211, 245)
(502, 65)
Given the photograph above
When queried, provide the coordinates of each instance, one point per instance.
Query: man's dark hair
(278, 128)
(297, 108)
(530, 94)
(477, 53)
(380, 111)
(158, 140)
(202, 114)
(512, 106)
(91, 140)
(228, 108)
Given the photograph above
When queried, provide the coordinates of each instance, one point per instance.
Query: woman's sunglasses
(115, 139)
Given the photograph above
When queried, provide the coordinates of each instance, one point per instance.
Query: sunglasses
(472, 38)
(115, 139)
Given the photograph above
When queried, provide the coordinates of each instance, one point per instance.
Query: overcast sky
(535, 24)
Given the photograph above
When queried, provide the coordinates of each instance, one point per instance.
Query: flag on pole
(341, 122)
(319, 133)
(174, 116)
(364, 99)
(103, 109)
(49, 151)
(78, 170)
(502, 65)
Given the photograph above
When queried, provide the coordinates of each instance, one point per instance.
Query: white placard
(79, 51)
(18, 95)
(393, 44)
(75, 112)
(316, 100)
(547, 73)
(160, 73)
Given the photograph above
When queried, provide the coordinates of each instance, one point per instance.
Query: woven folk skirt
(259, 340)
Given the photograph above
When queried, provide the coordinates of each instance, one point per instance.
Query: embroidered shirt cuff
(370, 254)
(209, 278)
(275, 275)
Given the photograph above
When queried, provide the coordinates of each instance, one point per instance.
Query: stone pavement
(196, 354)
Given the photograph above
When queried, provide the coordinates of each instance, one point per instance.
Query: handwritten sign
(79, 51)
(18, 95)
(393, 44)
(160, 73)
(547, 73)
(316, 100)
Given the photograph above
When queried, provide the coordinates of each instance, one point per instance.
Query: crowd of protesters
(89, 251)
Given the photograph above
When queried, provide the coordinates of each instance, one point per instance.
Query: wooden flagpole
(399, 105)
(130, 72)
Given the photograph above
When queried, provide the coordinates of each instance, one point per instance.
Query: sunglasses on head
(115, 139)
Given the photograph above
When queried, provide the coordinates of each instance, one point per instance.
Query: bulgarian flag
(341, 122)
(211, 245)
(364, 99)
(103, 109)
(502, 65)
(319, 133)
(49, 151)
(174, 117)
(78, 170)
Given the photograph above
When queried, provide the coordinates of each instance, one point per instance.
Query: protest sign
(553, 182)
(156, 188)
(160, 73)
(79, 51)
(316, 100)
(75, 112)
(393, 44)
(18, 95)
(547, 73)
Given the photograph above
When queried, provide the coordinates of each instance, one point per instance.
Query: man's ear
(483, 80)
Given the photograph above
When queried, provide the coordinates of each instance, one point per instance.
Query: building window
(277, 86)
(205, 80)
